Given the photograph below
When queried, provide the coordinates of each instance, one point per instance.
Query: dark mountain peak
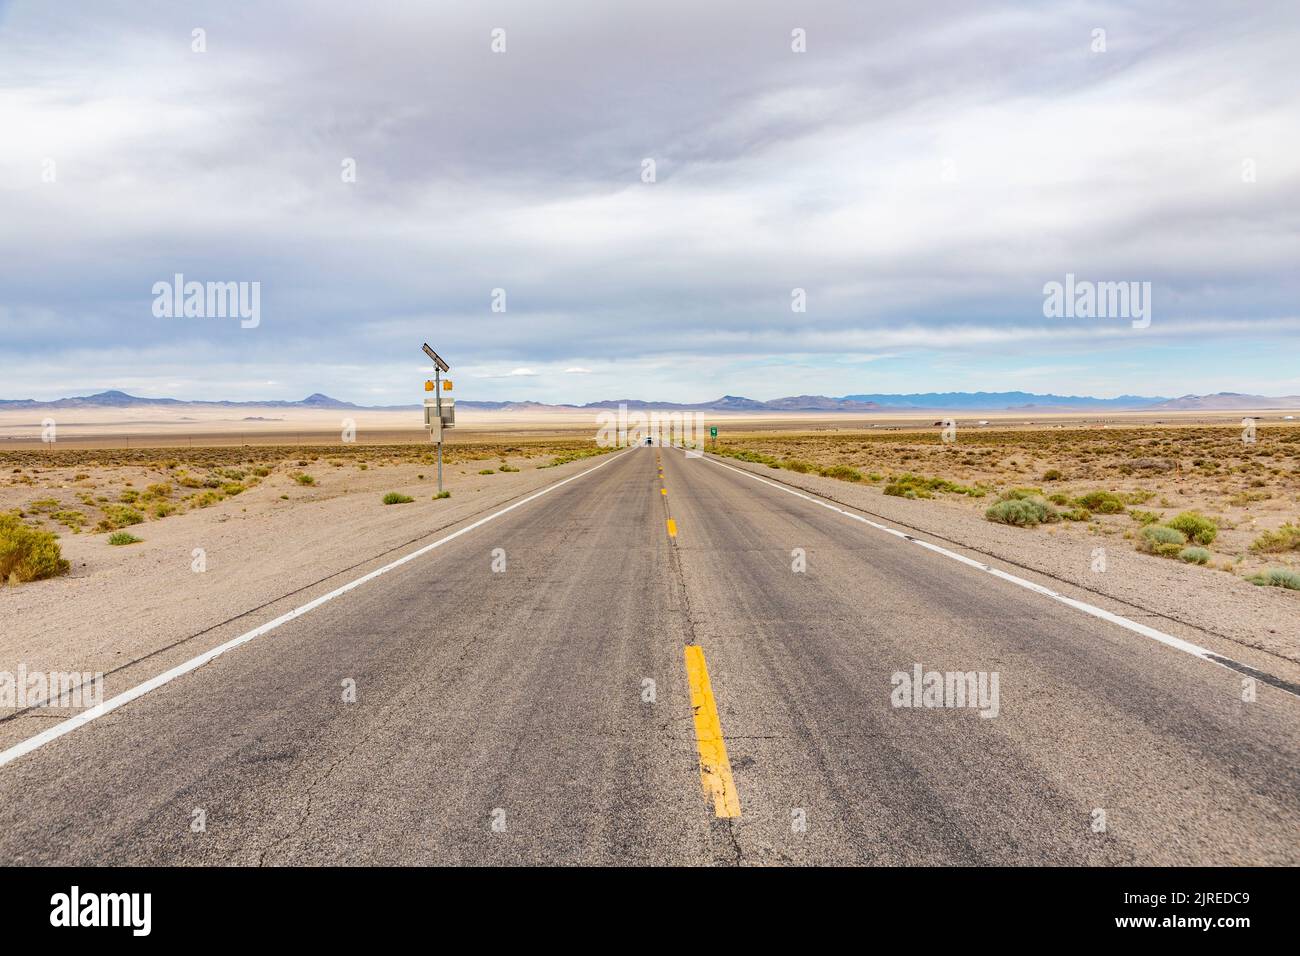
(319, 400)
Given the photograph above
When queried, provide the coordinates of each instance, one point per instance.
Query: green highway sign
(713, 431)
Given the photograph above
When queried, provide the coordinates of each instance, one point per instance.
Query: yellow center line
(715, 768)
(672, 527)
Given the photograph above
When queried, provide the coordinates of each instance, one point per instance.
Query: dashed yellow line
(672, 527)
(715, 768)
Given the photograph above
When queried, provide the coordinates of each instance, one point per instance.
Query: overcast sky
(921, 171)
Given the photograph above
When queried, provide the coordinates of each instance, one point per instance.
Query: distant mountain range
(116, 399)
(920, 401)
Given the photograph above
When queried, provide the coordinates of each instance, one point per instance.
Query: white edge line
(1187, 647)
(80, 720)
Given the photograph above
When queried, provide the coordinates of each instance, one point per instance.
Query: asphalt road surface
(693, 669)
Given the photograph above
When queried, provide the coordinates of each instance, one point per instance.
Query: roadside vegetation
(1191, 493)
(51, 491)
(27, 553)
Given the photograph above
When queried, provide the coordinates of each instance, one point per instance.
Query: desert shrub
(1139, 497)
(1143, 517)
(798, 464)
(1277, 578)
(1022, 512)
(1077, 514)
(442, 494)
(232, 488)
(27, 553)
(1196, 526)
(507, 467)
(1102, 502)
(1158, 539)
(1059, 499)
(1052, 474)
(72, 520)
(118, 516)
(1285, 538)
(163, 508)
(842, 473)
(487, 471)
(903, 491)
(303, 478)
(123, 537)
(752, 456)
(1019, 494)
(1194, 555)
(129, 497)
(923, 487)
(396, 498)
(160, 490)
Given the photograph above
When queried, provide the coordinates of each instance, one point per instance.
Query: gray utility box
(448, 412)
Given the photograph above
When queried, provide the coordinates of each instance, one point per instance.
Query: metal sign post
(437, 392)
(440, 419)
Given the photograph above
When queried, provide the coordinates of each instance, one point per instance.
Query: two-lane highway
(667, 661)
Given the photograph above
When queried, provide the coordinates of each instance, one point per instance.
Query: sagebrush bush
(1196, 526)
(1017, 494)
(27, 553)
(1158, 539)
(123, 537)
(842, 473)
(396, 498)
(1285, 538)
(118, 516)
(1102, 502)
(1022, 512)
(1277, 578)
(908, 485)
(1194, 555)
(896, 490)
